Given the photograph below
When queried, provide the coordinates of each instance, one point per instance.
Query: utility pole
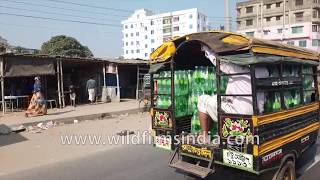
(261, 20)
(284, 20)
(171, 25)
(227, 16)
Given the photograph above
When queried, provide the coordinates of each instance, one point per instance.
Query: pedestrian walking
(37, 104)
(91, 88)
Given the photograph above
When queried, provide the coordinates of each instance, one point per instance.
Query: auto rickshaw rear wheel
(287, 171)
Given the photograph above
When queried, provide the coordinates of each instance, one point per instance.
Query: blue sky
(103, 40)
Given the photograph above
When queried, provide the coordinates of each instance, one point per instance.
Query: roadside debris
(125, 133)
(124, 115)
(33, 129)
(18, 128)
(41, 126)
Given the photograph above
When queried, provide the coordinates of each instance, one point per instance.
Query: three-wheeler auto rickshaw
(286, 127)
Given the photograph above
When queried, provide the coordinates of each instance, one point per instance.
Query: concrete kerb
(70, 120)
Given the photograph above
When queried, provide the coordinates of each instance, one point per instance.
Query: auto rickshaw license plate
(238, 160)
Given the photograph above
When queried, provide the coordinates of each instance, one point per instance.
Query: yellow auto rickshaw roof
(227, 42)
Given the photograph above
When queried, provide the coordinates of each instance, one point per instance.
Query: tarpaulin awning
(26, 66)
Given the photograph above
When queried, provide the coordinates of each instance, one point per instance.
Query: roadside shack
(58, 73)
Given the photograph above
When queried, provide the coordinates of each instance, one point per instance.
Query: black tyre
(287, 171)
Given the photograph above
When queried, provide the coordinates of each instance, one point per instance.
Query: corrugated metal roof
(78, 59)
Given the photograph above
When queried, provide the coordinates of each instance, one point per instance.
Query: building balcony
(244, 27)
(317, 20)
(316, 5)
(272, 23)
(294, 20)
(246, 15)
(273, 11)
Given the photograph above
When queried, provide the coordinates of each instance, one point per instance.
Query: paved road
(139, 162)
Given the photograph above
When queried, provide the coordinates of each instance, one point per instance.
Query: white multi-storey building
(294, 22)
(145, 31)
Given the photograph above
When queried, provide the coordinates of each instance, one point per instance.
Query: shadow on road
(10, 138)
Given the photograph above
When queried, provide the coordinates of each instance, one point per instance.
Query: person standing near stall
(91, 88)
(72, 95)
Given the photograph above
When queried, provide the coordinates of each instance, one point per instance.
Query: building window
(152, 40)
(152, 49)
(268, 6)
(314, 28)
(238, 23)
(315, 1)
(167, 29)
(198, 26)
(146, 45)
(127, 52)
(190, 16)
(303, 43)
(204, 28)
(249, 22)
(190, 26)
(175, 19)
(279, 31)
(126, 26)
(314, 13)
(131, 43)
(127, 43)
(249, 9)
(278, 4)
(176, 28)
(132, 51)
(151, 23)
(266, 32)
(299, 16)
(137, 33)
(299, 2)
(268, 19)
(166, 21)
(145, 37)
(250, 34)
(146, 54)
(131, 26)
(145, 28)
(278, 18)
(315, 42)
(126, 35)
(152, 32)
(138, 51)
(297, 29)
(290, 43)
(204, 18)
(239, 11)
(131, 34)
(137, 43)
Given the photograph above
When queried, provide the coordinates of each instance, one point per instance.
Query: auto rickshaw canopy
(237, 48)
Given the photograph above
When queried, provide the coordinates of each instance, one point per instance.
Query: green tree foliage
(65, 46)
